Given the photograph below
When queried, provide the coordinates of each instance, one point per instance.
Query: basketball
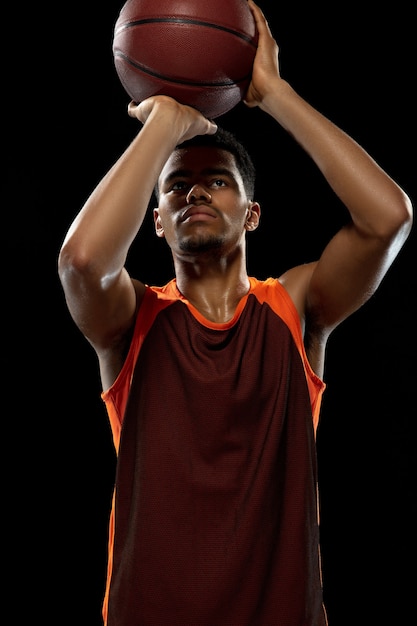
(199, 52)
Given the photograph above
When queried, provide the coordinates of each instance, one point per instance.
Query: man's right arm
(100, 294)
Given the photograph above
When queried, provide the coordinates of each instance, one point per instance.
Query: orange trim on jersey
(157, 298)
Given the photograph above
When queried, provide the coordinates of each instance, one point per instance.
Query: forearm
(104, 229)
(377, 205)
(98, 241)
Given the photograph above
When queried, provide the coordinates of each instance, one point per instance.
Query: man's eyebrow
(209, 171)
(177, 174)
(218, 171)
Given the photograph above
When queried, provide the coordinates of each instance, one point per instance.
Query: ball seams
(172, 20)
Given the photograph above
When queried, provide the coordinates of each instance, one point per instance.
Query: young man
(213, 382)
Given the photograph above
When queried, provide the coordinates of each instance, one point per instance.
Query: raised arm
(101, 297)
(354, 262)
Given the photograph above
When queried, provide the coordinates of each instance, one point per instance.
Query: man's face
(203, 206)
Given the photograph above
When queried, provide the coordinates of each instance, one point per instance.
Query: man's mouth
(198, 212)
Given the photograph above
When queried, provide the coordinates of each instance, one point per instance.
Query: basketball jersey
(215, 508)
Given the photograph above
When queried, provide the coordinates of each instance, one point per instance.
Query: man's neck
(214, 292)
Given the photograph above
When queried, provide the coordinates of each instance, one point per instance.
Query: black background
(64, 124)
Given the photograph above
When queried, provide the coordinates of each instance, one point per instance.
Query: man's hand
(265, 72)
(187, 122)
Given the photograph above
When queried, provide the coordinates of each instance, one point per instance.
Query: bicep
(347, 274)
(327, 291)
(103, 313)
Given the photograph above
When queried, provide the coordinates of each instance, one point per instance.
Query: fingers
(211, 128)
(131, 109)
(260, 19)
(189, 119)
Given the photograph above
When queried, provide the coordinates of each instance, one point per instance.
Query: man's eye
(219, 183)
(180, 184)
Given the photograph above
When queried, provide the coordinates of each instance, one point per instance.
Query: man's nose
(198, 192)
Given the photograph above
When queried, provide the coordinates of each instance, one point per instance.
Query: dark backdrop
(65, 123)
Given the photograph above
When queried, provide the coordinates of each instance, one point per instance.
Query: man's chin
(201, 244)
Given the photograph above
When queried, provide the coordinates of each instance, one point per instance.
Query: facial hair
(200, 244)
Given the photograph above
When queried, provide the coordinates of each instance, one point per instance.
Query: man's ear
(253, 214)
(158, 225)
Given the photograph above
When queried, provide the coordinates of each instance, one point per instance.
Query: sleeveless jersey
(215, 509)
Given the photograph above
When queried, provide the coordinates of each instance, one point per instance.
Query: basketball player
(213, 382)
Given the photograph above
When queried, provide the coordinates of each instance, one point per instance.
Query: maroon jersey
(215, 515)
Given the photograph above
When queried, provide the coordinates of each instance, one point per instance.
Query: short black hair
(225, 140)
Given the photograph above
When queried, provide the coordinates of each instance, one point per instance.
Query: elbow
(399, 227)
(396, 226)
(390, 227)
(75, 266)
(82, 269)
(406, 212)
(404, 218)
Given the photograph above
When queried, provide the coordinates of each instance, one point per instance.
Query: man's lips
(198, 212)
